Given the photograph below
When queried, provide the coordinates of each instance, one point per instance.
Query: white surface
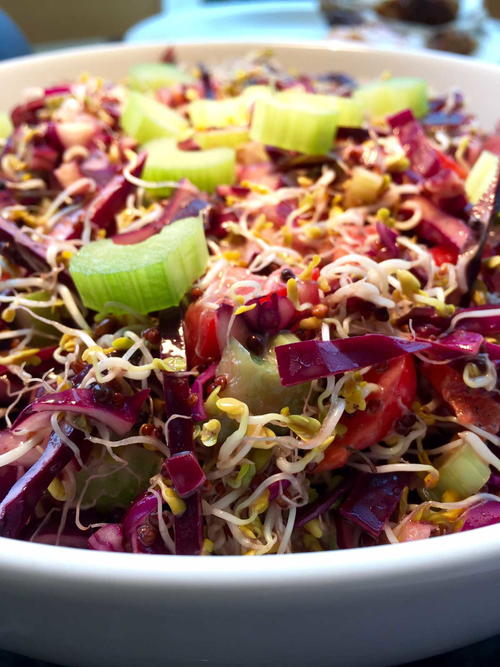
(374, 606)
(191, 20)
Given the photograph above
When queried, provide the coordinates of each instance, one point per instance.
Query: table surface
(482, 654)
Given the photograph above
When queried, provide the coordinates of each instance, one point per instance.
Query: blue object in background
(12, 41)
(193, 20)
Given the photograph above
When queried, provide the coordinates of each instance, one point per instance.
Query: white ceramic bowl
(375, 606)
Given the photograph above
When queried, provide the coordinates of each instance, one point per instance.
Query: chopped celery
(230, 111)
(152, 76)
(481, 175)
(248, 375)
(303, 125)
(363, 187)
(144, 119)
(146, 276)
(230, 137)
(5, 125)
(382, 98)
(218, 113)
(349, 111)
(116, 484)
(206, 169)
(461, 471)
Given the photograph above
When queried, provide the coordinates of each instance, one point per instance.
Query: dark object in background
(429, 12)
(456, 41)
(340, 15)
(12, 41)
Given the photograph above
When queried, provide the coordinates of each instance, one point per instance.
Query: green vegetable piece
(256, 382)
(218, 113)
(303, 125)
(481, 175)
(205, 169)
(461, 471)
(383, 98)
(144, 119)
(363, 188)
(152, 76)
(144, 277)
(6, 126)
(117, 484)
(230, 137)
(348, 110)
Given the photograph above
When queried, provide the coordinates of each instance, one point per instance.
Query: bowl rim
(448, 556)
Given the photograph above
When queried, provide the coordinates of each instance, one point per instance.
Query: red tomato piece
(200, 334)
(444, 254)
(449, 163)
(398, 386)
(471, 406)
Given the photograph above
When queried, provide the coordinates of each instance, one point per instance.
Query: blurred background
(470, 27)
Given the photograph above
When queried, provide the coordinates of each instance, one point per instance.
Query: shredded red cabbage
(185, 472)
(312, 359)
(107, 538)
(373, 499)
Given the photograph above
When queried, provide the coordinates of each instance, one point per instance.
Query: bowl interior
(476, 80)
(444, 73)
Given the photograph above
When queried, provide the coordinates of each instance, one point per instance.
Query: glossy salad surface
(247, 311)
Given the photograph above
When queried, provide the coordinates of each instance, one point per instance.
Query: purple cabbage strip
(208, 375)
(277, 488)
(185, 472)
(19, 503)
(21, 249)
(454, 119)
(112, 198)
(312, 359)
(486, 514)
(184, 203)
(272, 313)
(487, 326)
(8, 476)
(373, 499)
(81, 401)
(388, 238)
(493, 352)
(423, 158)
(107, 538)
(137, 517)
(458, 344)
(188, 526)
(439, 228)
(322, 504)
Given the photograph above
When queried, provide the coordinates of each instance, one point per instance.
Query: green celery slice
(144, 119)
(227, 112)
(249, 375)
(230, 137)
(206, 169)
(218, 113)
(303, 125)
(6, 126)
(461, 471)
(383, 98)
(146, 276)
(349, 111)
(481, 175)
(152, 76)
(363, 187)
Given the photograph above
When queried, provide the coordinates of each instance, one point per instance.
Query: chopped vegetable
(483, 172)
(205, 169)
(145, 276)
(462, 471)
(152, 76)
(144, 119)
(386, 97)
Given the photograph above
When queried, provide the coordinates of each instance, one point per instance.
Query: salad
(246, 310)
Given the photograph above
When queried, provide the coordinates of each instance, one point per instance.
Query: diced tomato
(444, 254)
(471, 406)
(449, 163)
(200, 334)
(398, 386)
(415, 530)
